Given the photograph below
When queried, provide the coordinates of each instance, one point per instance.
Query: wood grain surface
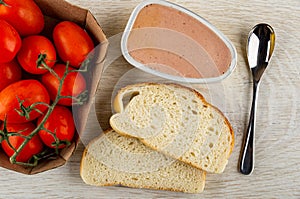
(277, 172)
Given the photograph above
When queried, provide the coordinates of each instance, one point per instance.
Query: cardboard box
(55, 11)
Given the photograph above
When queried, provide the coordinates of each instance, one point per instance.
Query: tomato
(61, 123)
(9, 73)
(32, 48)
(29, 91)
(73, 44)
(74, 84)
(25, 16)
(10, 42)
(33, 147)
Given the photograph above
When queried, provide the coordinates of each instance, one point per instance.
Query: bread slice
(177, 121)
(112, 159)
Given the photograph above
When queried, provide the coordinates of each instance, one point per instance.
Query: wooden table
(277, 172)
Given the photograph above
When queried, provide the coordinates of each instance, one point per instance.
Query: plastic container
(169, 41)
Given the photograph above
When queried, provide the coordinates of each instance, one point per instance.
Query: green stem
(26, 110)
(3, 3)
(56, 140)
(17, 134)
(41, 63)
(41, 125)
(84, 66)
(30, 136)
(78, 100)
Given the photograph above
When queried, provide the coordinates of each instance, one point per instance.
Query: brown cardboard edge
(4, 163)
(62, 10)
(94, 28)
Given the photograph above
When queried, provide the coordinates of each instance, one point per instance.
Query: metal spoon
(260, 46)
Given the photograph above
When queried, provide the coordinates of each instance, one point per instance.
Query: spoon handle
(247, 155)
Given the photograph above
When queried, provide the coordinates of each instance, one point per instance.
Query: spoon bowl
(260, 47)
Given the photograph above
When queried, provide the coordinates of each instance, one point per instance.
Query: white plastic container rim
(145, 68)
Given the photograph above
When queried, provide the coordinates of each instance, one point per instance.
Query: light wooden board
(277, 172)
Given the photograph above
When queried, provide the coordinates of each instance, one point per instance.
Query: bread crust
(208, 104)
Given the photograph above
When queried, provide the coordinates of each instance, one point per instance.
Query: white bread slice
(177, 121)
(112, 159)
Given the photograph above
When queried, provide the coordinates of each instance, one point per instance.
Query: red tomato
(73, 44)
(61, 123)
(33, 147)
(74, 84)
(25, 16)
(10, 42)
(32, 48)
(9, 73)
(29, 91)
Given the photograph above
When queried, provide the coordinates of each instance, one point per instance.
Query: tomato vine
(25, 112)
(3, 3)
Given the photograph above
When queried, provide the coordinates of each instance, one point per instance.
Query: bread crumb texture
(140, 166)
(176, 121)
